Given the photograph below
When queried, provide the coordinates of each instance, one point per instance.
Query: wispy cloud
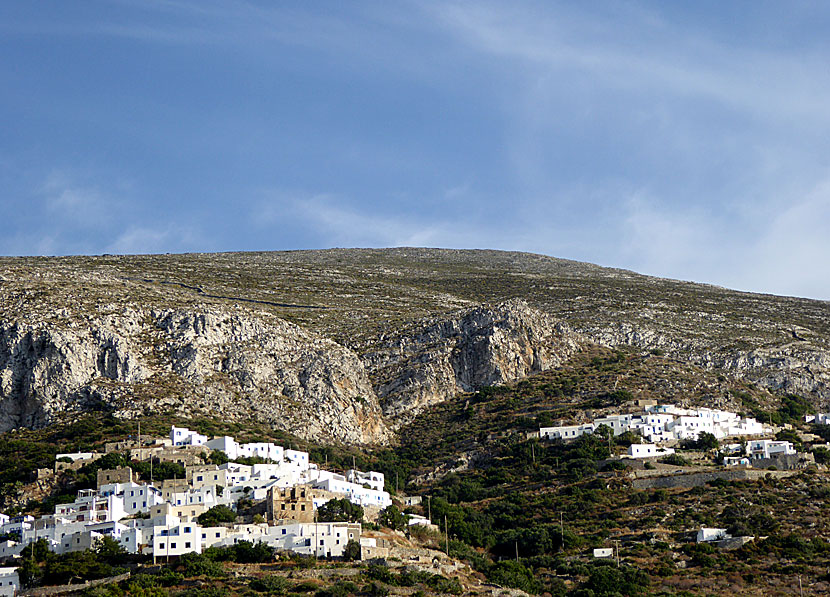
(156, 239)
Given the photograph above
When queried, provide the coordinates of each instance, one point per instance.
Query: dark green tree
(216, 515)
(392, 518)
(340, 510)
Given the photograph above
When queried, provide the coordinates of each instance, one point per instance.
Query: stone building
(290, 503)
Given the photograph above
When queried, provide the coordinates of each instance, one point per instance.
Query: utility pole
(447, 534)
(517, 551)
(533, 453)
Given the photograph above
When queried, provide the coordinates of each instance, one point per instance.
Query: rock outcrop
(43, 372)
(221, 364)
(278, 373)
(463, 352)
(798, 367)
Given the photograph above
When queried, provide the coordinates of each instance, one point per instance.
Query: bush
(196, 564)
(512, 574)
(272, 584)
(675, 459)
(610, 580)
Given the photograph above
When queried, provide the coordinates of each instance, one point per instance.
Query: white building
(566, 431)
(91, 507)
(709, 534)
(768, 448)
(182, 436)
(137, 498)
(176, 540)
(736, 461)
(357, 494)
(647, 451)
(9, 581)
(76, 456)
(373, 479)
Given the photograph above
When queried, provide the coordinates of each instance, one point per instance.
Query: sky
(688, 140)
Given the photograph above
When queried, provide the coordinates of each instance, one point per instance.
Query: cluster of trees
(41, 566)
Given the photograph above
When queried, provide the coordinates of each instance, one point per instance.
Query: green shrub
(271, 584)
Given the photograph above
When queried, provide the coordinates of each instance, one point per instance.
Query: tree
(340, 510)
(352, 552)
(109, 550)
(393, 518)
(218, 458)
(216, 515)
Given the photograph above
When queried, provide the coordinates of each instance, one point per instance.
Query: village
(274, 496)
(280, 495)
(666, 425)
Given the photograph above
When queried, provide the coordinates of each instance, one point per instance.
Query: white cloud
(137, 240)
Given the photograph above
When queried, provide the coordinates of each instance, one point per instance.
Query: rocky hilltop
(347, 345)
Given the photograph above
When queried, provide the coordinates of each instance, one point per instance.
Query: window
(186, 529)
(283, 531)
(172, 546)
(161, 545)
(217, 535)
(204, 535)
(187, 544)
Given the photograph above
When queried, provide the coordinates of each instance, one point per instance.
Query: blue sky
(687, 139)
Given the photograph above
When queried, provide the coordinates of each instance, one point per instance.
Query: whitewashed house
(9, 581)
(709, 534)
(647, 451)
(182, 436)
(566, 431)
(137, 498)
(177, 540)
(373, 479)
(768, 448)
(91, 507)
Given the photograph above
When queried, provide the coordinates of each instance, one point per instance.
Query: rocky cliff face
(231, 366)
(276, 372)
(221, 364)
(794, 363)
(465, 351)
(44, 372)
(342, 344)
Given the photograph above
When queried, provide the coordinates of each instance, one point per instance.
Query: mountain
(348, 345)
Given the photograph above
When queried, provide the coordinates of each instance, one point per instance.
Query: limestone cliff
(208, 362)
(482, 346)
